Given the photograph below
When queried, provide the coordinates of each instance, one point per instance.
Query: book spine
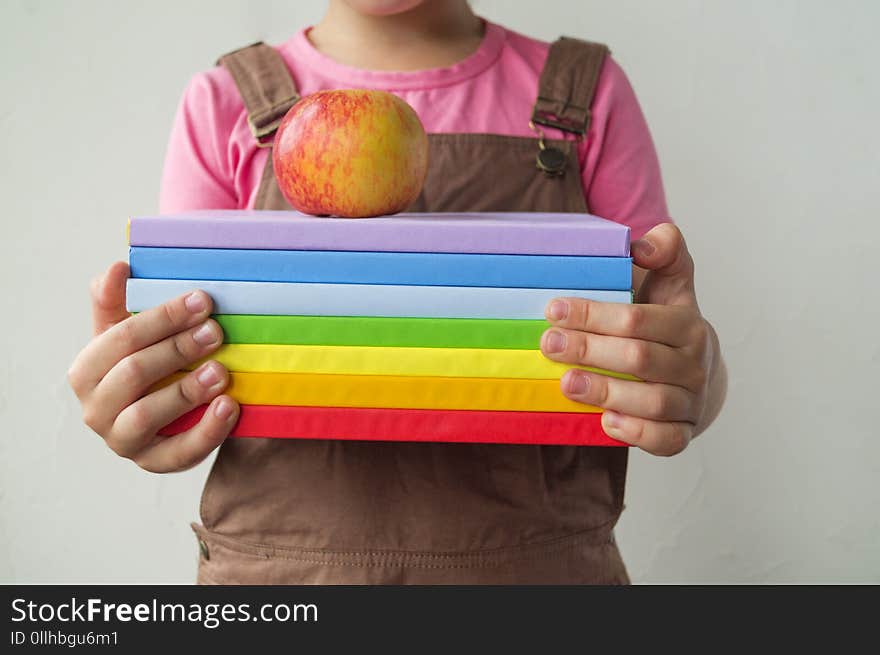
(361, 299)
(369, 360)
(400, 392)
(417, 269)
(382, 331)
(605, 239)
(411, 425)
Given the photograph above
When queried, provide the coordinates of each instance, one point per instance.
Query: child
(296, 511)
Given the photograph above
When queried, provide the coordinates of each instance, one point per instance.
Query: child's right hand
(129, 354)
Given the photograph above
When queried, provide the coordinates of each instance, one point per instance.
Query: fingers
(136, 333)
(129, 354)
(662, 402)
(133, 375)
(136, 426)
(660, 323)
(664, 251)
(187, 449)
(655, 437)
(108, 297)
(646, 360)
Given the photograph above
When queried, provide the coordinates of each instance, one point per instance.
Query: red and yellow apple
(350, 153)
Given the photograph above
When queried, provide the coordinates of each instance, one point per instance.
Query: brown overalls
(279, 511)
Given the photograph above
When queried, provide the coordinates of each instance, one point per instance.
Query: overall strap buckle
(567, 85)
(265, 85)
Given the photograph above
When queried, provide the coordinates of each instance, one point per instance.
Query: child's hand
(664, 341)
(129, 354)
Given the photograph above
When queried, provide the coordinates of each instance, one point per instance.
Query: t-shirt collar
(302, 51)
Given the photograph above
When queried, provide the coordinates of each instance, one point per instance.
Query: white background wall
(765, 115)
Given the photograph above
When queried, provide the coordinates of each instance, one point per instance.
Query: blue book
(297, 299)
(385, 268)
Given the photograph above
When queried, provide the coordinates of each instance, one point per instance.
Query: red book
(452, 426)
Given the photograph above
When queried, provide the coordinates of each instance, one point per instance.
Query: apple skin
(350, 153)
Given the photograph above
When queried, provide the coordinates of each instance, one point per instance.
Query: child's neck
(433, 35)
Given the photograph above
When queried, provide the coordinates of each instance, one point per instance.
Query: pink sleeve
(621, 178)
(200, 163)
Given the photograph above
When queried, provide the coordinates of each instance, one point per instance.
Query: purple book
(512, 233)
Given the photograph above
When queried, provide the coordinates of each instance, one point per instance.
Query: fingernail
(206, 334)
(576, 383)
(558, 310)
(554, 341)
(208, 375)
(644, 247)
(196, 302)
(611, 419)
(223, 409)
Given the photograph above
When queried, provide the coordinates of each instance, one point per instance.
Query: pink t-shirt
(213, 161)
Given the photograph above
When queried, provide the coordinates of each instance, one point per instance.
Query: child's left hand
(663, 340)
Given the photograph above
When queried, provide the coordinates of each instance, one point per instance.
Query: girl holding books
(297, 511)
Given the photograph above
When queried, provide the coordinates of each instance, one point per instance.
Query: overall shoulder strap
(567, 85)
(265, 86)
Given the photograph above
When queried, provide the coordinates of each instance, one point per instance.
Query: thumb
(108, 297)
(670, 278)
(663, 251)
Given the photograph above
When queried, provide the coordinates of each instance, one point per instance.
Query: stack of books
(413, 327)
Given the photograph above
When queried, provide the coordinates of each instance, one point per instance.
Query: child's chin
(383, 7)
